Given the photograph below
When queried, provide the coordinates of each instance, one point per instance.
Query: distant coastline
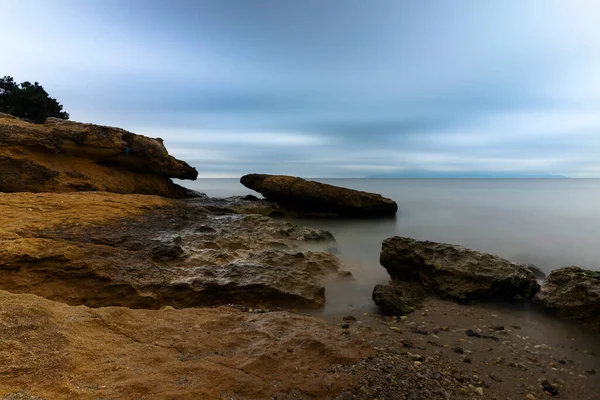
(466, 175)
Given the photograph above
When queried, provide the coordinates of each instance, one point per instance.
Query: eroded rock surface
(574, 293)
(319, 199)
(399, 297)
(170, 253)
(65, 156)
(241, 205)
(456, 272)
(57, 351)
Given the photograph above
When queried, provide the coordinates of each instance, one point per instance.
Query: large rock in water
(65, 156)
(455, 272)
(314, 198)
(574, 293)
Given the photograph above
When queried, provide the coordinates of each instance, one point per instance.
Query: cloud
(336, 88)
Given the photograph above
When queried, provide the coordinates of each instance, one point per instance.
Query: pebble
(530, 397)
(396, 329)
(349, 318)
(417, 363)
(346, 326)
(471, 333)
(550, 389)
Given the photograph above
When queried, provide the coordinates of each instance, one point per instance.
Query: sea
(551, 223)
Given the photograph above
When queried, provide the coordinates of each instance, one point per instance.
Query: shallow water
(548, 222)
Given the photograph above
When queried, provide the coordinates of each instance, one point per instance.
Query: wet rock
(471, 333)
(168, 256)
(66, 156)
(456, 272)
(314, 198)
(239, 205)
(420, 329)
(167, 251)
(573, 293)
(553, 391)
(397, 299)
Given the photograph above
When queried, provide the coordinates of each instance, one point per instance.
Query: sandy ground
(447, 350)
(444, 351)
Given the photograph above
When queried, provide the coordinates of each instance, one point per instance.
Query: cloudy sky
(336, 88)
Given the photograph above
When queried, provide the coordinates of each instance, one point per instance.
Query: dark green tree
(28, 101)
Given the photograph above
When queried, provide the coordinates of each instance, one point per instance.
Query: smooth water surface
(551, 223)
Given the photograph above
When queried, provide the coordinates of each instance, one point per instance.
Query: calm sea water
(551, 223)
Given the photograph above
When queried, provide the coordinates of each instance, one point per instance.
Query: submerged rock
(319, 199)
(455, 272)
(574, 293)
(66, 156)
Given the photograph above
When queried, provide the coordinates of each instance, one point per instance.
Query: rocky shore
(108, 291)
(65, 156)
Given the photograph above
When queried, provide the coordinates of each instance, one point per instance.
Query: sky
(336, 88)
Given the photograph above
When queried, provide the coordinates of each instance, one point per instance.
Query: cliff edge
(66, 156)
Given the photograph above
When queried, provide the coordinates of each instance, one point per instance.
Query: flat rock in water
(456, 272)
(319, 199)
(574, 293)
